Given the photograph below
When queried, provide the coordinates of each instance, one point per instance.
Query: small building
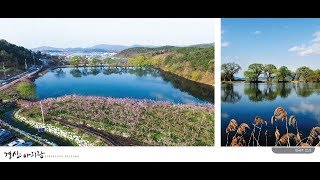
(45, 62)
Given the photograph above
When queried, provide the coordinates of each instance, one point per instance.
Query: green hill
(13, 56)
(192, 62)
(130, 52)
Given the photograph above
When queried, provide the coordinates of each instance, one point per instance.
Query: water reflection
(268, 91)
(198, 90)
(59, 73)
(284, 89)
(201, 91)
(307, 108)
(229, 95)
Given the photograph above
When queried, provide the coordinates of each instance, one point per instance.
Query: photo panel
(107, 82)
(270, 82)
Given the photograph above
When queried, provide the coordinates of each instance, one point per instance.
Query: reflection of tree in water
(139, 71)
(317, 88)
(228, 94)
(284, 89)
(303, 89)
(94, 71)
(59, 73)
(269, 92)
(203, 92)
(75, 72)
(113, 70)
(253, 92)
(84, 71)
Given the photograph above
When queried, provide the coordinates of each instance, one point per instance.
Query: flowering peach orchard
(151, 122)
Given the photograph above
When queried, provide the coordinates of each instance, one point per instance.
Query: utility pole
(4, 71)
(34, 61)
(25, 64)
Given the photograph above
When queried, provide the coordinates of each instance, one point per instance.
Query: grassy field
(12, 91)
(151, 122)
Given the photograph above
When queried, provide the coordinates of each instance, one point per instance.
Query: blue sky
(86, 32)
(291, 42)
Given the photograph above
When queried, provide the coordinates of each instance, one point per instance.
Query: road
(15, 79)
(27, 73)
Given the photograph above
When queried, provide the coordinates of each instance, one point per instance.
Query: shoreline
(158, 68)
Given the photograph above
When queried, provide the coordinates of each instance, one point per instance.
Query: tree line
(270, 72)
(94, 61)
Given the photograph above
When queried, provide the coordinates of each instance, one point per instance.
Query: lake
(244, 101)
(122, 82)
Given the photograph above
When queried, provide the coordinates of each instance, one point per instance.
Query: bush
(26, 90)
(196, 75)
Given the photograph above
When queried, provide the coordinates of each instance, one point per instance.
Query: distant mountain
(47, 48)
(115, 48)
(78, 49)
(96, 48)
(202, 45)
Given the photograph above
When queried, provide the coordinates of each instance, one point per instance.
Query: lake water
(139, 83)
(244, 102)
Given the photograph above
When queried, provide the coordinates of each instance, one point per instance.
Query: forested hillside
(194, 62)
(14, 56)
(130, 52)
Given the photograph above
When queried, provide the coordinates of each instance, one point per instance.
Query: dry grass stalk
(277, 135)
(314, 134)
(280, 113)
(233, 124)
(258, 121)
(266, 134)
(285, 139)
(238, 141)
(273, 119)
(292, 120)
(304, 144)
(242, 128)
(298, 138)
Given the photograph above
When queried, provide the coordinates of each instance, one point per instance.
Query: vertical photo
(107, 82)
(270, 74)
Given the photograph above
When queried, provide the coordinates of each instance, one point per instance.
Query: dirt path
(106, 137)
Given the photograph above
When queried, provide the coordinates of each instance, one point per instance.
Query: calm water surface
(139, 83)
(245, 101)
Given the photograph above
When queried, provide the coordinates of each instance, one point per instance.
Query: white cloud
(307, 108)
(312, 48)
(225, 44)
(257, 32)
(225, 115)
